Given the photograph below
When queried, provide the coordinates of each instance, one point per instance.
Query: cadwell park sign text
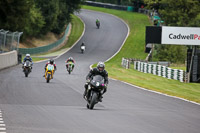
(180, 35)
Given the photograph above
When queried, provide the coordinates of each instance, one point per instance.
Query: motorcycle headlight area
(97, 84)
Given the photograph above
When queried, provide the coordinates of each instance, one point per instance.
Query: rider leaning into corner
(99, 70)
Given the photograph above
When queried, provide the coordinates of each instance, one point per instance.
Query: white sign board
(180, 35)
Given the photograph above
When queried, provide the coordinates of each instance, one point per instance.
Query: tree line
(36, 17)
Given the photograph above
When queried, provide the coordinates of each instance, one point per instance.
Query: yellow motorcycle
(49, 72)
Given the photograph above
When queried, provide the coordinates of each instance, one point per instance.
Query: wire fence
(9, 40)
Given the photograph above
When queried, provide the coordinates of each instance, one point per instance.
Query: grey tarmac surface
(30, 105)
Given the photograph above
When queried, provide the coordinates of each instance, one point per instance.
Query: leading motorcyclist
(99, 70)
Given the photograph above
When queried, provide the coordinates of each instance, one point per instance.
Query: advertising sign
(180, 35)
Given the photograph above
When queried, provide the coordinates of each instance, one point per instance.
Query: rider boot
(100, 97)
(85, 92)
(101, 94)
(44, 72)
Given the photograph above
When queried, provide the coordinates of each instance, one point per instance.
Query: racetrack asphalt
(30, 105)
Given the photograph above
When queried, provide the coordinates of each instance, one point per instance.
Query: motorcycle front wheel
(26, 72)
(93, 100)
(48, 77)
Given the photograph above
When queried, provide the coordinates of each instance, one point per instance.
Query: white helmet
(27, 55)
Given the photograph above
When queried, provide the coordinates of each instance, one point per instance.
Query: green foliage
(36, 22)
(152, 4)
(179, 12)
(172, 53)
(195, 22)
(66, 8)
(50, 12)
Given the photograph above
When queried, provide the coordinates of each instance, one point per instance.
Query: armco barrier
(159, 70)
(44, 48)
(8, 59)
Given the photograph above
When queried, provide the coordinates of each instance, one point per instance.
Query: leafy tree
(50, 11)
(35, 22)
(180, 12)
(152, 4)
(17, 15)
(66, 8)
(172, 53)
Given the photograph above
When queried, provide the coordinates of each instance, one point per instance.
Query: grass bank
(134, 48)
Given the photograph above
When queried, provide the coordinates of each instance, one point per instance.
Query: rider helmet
(27, 55)
(83, 43)
(51, 61)
(70, 58)
(100, 66)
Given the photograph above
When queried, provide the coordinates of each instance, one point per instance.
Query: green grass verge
(134, 48)
(76, 32)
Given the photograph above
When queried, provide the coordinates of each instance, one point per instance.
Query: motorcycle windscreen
(97, 80)
(26, 63)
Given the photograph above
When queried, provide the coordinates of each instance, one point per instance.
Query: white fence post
(145, 67)
(149, 68)
(155, 69)
(164, 71)
(175, 74)
(159, 70)
(169, 70)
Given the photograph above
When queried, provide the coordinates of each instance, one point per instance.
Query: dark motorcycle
(95, 89)
(27, 68)
(98, 25)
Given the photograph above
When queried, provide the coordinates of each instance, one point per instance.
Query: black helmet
(100, 66)
(51, 61)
